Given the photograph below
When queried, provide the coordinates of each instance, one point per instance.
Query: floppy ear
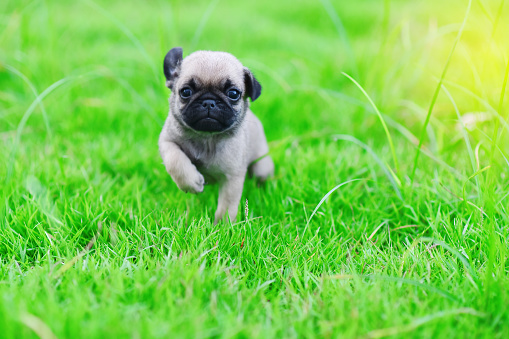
(253, 87)
(172, 62)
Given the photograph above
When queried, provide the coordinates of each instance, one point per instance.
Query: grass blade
(497, 18)
(463, 129)
(391, 144)
(500, 106)
(391, 331)
(128, 34)
(325, 198)
(388, 173)
(437, 90)
(201, 25)
(340, 28)
(25, 118)
(34, 91)
(400, 280)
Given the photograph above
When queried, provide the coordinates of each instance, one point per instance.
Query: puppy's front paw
(190, 181)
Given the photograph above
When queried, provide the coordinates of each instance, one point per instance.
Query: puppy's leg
(263, 168)
(230, 193)
(181, 169)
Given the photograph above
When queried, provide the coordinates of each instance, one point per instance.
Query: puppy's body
(209, 137)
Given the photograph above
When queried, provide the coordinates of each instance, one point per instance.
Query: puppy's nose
(208, 103)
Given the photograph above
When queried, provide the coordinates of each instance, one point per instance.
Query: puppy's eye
(186, 92)
(233, 94)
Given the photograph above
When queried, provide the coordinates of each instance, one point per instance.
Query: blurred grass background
(82, 102)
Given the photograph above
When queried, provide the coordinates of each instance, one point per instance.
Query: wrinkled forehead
(212, 69)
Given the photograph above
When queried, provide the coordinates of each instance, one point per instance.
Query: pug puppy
(211, 135)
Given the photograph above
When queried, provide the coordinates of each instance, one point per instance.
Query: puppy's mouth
(208, 124)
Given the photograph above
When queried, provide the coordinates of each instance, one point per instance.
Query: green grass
(97, 241)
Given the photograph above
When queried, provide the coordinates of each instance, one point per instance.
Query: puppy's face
(209, 90)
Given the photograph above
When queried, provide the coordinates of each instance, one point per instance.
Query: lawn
(388, 214)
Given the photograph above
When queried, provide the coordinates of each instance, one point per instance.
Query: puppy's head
(209, 89)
